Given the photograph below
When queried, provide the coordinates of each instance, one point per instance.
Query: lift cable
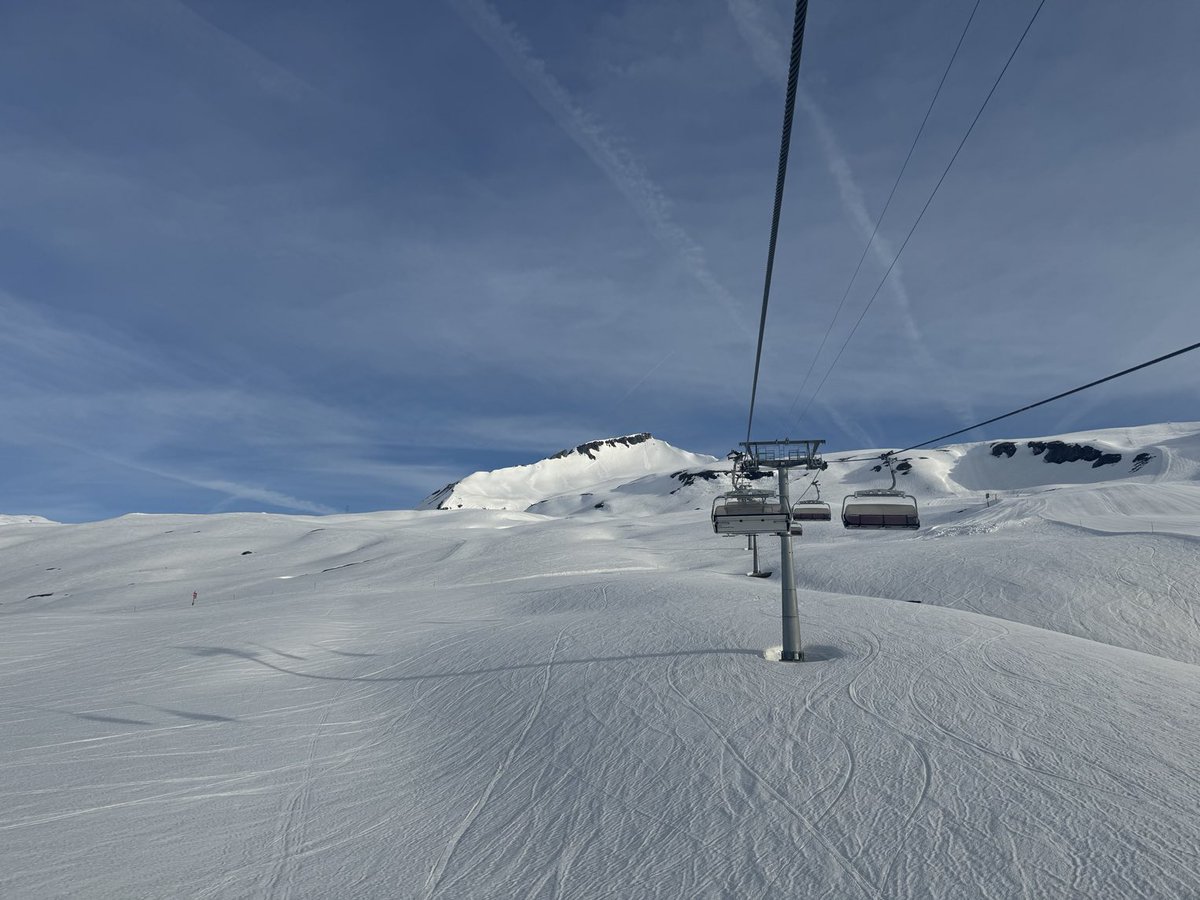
(784, 145)
(1026, 408)
(1082, 387)
(925, 208)
(808, 488)
(879, 221)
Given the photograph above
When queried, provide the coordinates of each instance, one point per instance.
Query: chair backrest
(742, 514)
(875, 511)
(748, 507)
(811, 511)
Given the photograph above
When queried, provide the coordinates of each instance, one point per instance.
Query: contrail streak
(232, 489)
(642, 380)
(770, 55)
(621, 168)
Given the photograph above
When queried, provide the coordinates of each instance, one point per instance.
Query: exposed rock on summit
(591, 448)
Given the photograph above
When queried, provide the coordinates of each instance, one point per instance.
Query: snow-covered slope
(503, 704)
(25, 520)
(1147, 454)
(496, 704)
(565, 480)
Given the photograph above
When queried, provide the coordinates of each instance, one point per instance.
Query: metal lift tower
(782, 456)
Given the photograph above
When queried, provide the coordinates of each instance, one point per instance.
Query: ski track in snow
(439, 869)
(814, 833)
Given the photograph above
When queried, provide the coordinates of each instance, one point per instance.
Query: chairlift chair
(811, 511)
(883, 508)
(750, 512)
(815, 510)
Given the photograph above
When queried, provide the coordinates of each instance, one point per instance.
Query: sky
(311, 257)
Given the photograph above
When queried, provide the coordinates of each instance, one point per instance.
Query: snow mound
(562, 483)
(25, 520)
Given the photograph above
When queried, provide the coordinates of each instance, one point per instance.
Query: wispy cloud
(232, 490)
(418, 477)
(76, 377)
(619, 165)
(849, 426)
(637, 384)
(229, 489)
(232, 51)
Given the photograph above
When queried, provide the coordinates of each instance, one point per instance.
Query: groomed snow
(504, 704)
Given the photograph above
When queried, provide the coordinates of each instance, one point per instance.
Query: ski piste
(499, 702)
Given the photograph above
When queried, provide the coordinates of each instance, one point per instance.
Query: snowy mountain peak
(567, 475)
(592, 448)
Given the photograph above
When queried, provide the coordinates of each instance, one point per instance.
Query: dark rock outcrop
(438, 498)
(903, 466)
(688, 478)
(591, 448)
(1059, 452)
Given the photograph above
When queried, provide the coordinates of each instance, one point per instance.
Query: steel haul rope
(1082, 387)
(784, 146)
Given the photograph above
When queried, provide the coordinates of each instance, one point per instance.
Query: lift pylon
(783, 455)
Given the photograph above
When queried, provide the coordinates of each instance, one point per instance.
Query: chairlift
(815, 510)
(750, 512)
(811, 511)
(742, 474)
(881, 507)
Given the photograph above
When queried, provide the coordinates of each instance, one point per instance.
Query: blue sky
(308, 257)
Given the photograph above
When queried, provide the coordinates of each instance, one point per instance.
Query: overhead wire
(789, 107)
(1083, 387)
(811, 483)
(1027, 407)
(887, 204)
(924, 209)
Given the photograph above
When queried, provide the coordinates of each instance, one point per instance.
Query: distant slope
(25, 520)
(1137, 455)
